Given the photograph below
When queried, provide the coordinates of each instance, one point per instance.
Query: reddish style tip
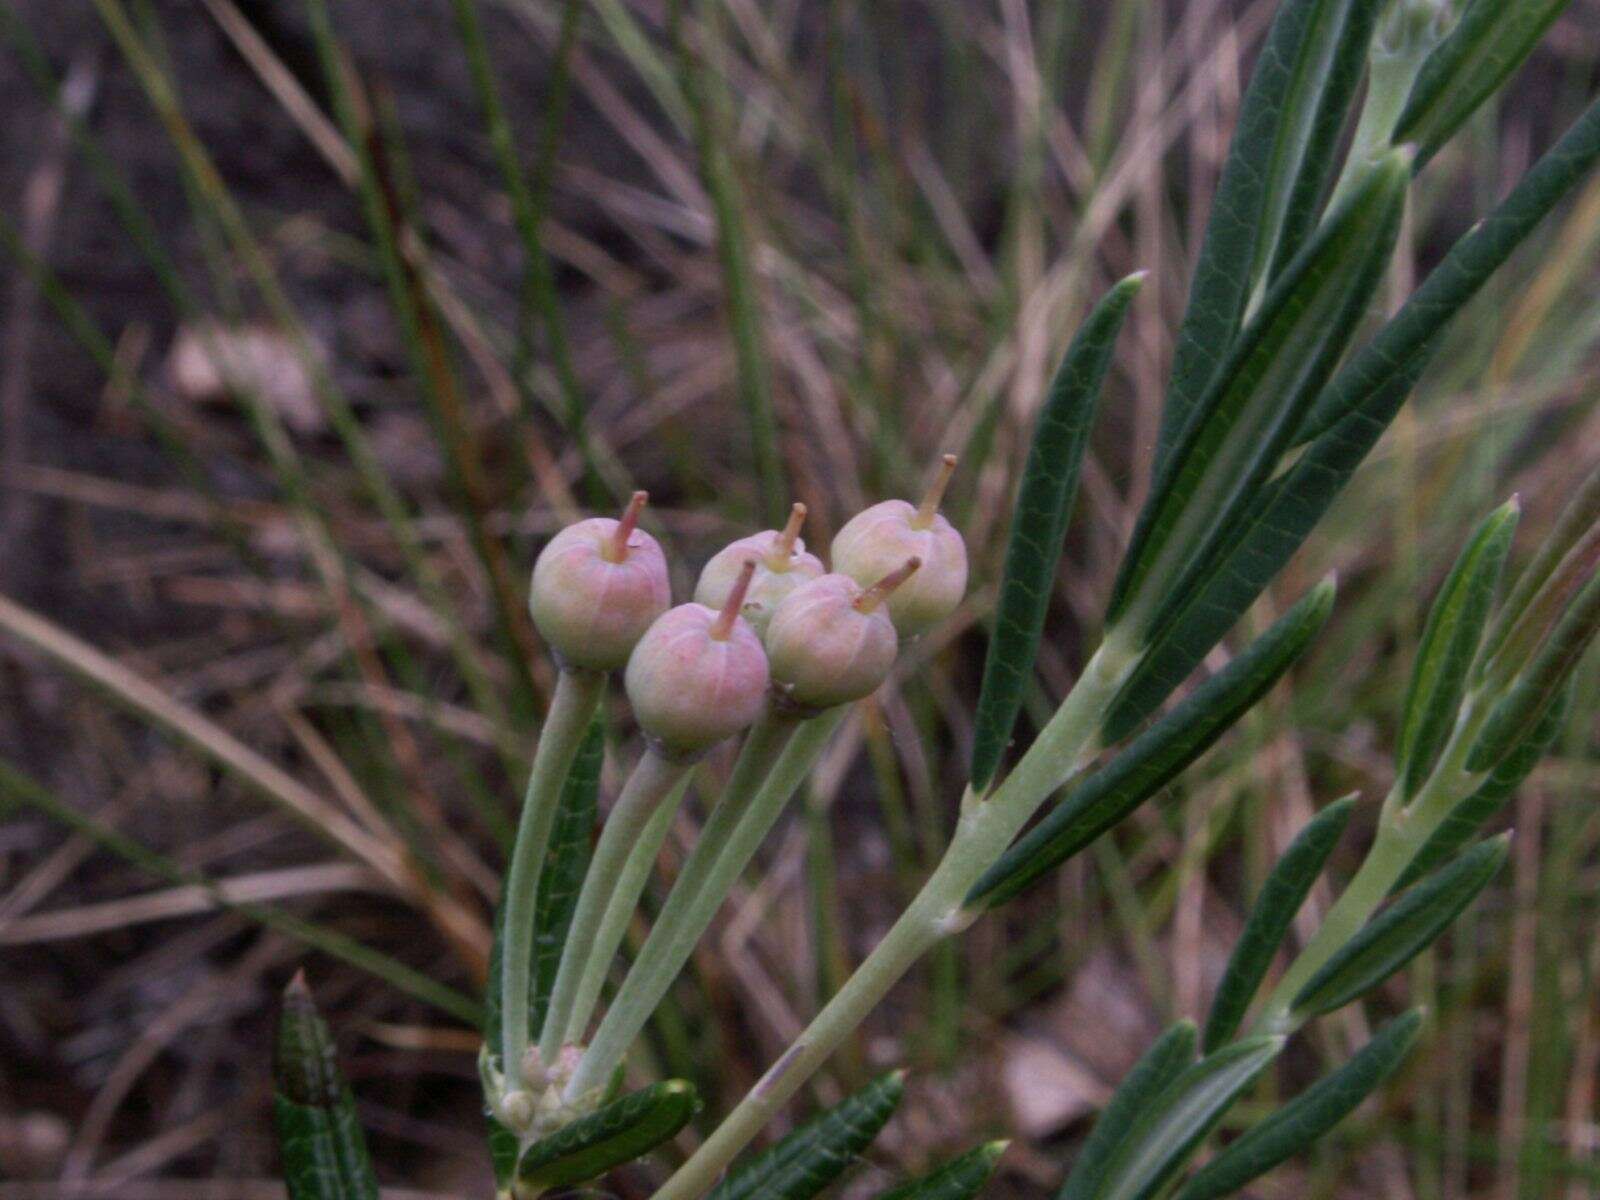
(929, 507)
(783, 548)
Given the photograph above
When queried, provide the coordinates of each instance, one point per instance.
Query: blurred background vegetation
(317, 318)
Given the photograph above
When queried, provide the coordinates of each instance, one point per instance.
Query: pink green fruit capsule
(597, 587)
(878, 540)
(832, 642)
(782, 565)
(699, 674)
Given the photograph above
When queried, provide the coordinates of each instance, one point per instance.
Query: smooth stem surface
(1391, 72)
(651, 782)
(619, 911)
(777, 756)
(577, 695)
(985, 830)
(1391, 851)
(1402, 831)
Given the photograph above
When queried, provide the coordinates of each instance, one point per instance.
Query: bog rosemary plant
(1276, 396)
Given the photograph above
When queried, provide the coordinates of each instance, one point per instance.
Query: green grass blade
(1299, 89)
(817, 1153)
(1461, 824)
(261, 270)
(734, 254)
(566, 862)
(1039, 523)
(323, 1149)
(529, 202)
(386, 203)
(1408, 927)
(140, 228)
(1348, 419)
(1298, 1124)
(618, 1133)
(1157, 1069)
(1281, 896)
(959, 1179)
(1175, 1123)
(1449, 645)
(1254, 405)
(20, 788)
(1110, 793)
(1490, 41)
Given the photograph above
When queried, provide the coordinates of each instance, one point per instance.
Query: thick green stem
(1392, 849)
(652, 781)
(1411, 30)
(624, 900)
(777, 757)
(577, 695)
(985, 830)
(1402, 831)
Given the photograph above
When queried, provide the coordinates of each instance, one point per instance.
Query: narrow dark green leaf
(571, 840)
(566, 862)
(1449, 643)
(1157, 1069)
(1536, 687)
(813, 1156)
(1490, 41)
(959, 1179)
(1312, 155)
(1356, 391)
(1298, 1124)
(1039, 522)
(1256, 402)
(1464, 821)
(618, 1133)
(1402, 931)
(1293, 108)
(324, 1151)
(1282, 894)
(1540, 612)
(1172, 1128)
(1347, 421)
(1576, 521)
(1106, 795)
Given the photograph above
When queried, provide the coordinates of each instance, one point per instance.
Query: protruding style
(929, 508)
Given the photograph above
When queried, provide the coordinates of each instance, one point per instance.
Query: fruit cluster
(767, 622)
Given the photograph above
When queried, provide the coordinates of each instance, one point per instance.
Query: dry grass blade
(285, 88)
(205, 735)
(259, 888)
